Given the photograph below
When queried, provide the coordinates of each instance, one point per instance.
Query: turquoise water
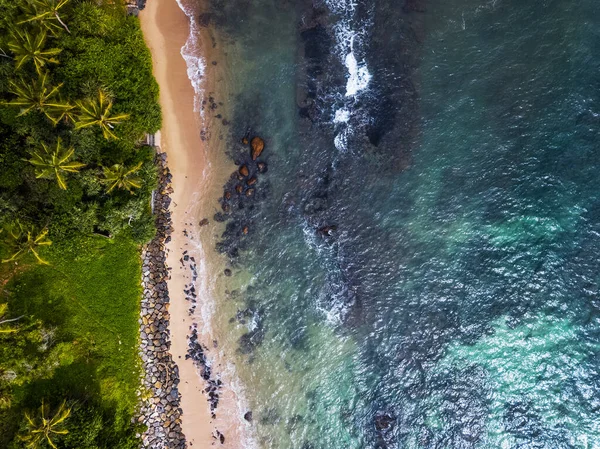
(454, 157)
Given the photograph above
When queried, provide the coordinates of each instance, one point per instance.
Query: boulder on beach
(244, 170)
(258, 145)
(252, 181)
(203, 222)
(238, 188)
(227, 195)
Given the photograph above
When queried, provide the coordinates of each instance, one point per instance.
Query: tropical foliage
(44, 13)
(23, 240)
(44, 427)
(120, 177)
(55, 163)
(97, 111)
(77, 97)
(38, 95)
(28, 47)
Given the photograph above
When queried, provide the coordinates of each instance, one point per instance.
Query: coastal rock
(258, 145)
(160, 410)
(227, 272)
(252, 181)
(203, 222)
(245, 140)
(249, 192)
(248, 416)
(244, 171)
(239, 188)
(245, 230)
(227, 195)
(262, 167)
(327, 230)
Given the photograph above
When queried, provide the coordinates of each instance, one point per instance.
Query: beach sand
(166, 29)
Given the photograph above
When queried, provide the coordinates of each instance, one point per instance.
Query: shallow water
(452, 145)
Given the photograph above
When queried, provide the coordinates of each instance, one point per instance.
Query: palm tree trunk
(12, 319)
(62, 23)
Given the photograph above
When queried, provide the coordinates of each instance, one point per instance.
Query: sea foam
(191, 53)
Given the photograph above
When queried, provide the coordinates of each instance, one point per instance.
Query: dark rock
(252, 181)
(248, 416)
(249, 192)
(258, 145)
(239, 188)
(227, 195)
(244, 171)
(203, 222)
(327, 230)
(262, 167)
(227, 272)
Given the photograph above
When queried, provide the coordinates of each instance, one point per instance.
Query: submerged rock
(258, 145)
(252, 181)
(327, 230)
(244, 170)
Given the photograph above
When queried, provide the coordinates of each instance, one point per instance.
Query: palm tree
(53, 163)
(96, 111)
(43, 429)
(120, 177)
(39, 95)
(27, 47)
(25, 240)
(45, 13)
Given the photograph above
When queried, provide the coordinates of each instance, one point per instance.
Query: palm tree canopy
(53, 163)
(44, 428)
(97, 111)
(25, 240)
(46, 14)
(121, 177)
(39, 95)
(26, 47)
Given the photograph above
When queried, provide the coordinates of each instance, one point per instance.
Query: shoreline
(166, 28)
(199, 168)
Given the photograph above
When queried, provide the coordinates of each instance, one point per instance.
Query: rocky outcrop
(258, 145)
(159, 407)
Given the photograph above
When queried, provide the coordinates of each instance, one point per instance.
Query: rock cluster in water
(241, 193)
(159, 409)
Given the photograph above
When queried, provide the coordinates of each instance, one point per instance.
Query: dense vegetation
(77, 97)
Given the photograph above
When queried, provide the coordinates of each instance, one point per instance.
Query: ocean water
(421, 265)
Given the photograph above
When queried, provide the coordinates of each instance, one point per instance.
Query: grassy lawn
(88, 297)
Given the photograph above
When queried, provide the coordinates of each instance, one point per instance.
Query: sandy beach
(166, 29)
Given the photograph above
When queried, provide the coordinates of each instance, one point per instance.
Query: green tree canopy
(39, 95)
(54, 163)
(97, 111)
(121, 177)
(23, 240)
(44, 13)
(28, 47)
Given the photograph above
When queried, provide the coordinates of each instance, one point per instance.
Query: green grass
(90, 295)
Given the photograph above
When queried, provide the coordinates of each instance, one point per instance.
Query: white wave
(190, 52)
(350, 33)
(341, 139)
(359, 76)
(341, 116)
